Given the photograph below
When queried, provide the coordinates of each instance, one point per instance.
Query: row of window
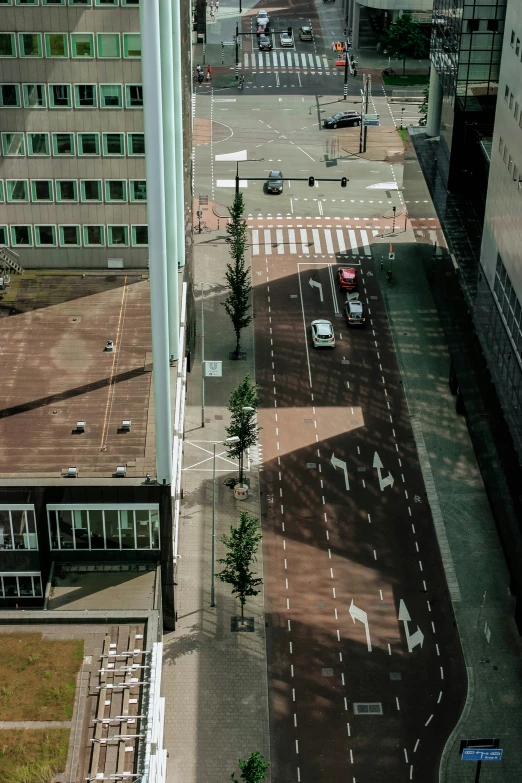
(98, 3)
(513, 105)
(17, 528)
(515, 44)
(18, 144)
(508, 305)
(82, 45)
(67, 96)
(111, 191)
(103, 528)
(510, 163)
(22, 585)
(74, 236)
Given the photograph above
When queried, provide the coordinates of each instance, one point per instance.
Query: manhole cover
(308, 421)
(311, 464)
(327, 672)
(322, 605)
(346, 361)
(361, 470)
(395, 676)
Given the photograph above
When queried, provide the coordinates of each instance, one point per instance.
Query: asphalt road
(357, 608)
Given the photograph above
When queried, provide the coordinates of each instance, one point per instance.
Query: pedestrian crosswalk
(335, 241)
(275, 60)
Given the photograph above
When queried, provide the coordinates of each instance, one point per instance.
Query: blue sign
(481, 754)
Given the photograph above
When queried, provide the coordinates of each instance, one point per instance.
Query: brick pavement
(214, 681)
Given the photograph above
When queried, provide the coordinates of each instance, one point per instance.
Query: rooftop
(56, 372)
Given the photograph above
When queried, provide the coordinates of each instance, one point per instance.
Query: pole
(361, 126)
(202, 360)
(393, 226)
(154, 168)
(237, 50)
(402, 112)
(477, 774)
(212, 594)
(345, 88)
(237, 178)
(178, 133)
(241, 449)
(240, 7)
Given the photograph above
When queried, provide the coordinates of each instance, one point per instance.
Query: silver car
(322, 334)
(285, 39)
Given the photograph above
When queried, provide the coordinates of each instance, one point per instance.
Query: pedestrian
(198, 70)
(217, 6)
(354, 72)
(209, 73)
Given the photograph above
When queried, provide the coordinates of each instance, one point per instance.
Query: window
(34, 96)
(131, 45)
(506, 93)
(85, 96)
(56, 45)
(108, 44)
(60, 96)
(80, 2)
(106, 2)
(7, 45)
(512, 41)
(130, 2)
(66, 190)
(63, 143)
(21, 236)
(115, 190)
(13, 144)
(1, 193)
(82, 44)
(45, 235)
(17, 189)
(118, 235)
(94, 236)
(113, 144)
(138, 190)
(20, 585)
(69, 236)
(3, 235)
(500, 145)
(38, 144)
(140, 236)
(515, 112)
(91, 190)
(511, 99)
(9, 96)
(134, 96)
(111, 96)
(105, 526)
(26, 2)
(42, 190)
(517, 47)
(136, 143)
(30, 44)
(88, 144)
(53, 2)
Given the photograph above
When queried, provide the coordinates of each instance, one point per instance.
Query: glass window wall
(17, 527)
(20, 585)
(104, 527)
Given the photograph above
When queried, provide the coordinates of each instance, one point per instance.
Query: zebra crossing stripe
(366, 246)
(282, 59)
(274, 58)
(311, 60)
(268, 243)
(303, 59)
(255, 242)
(317, 241)
(353, 242)
(296, 60)
(246, 60)
(280, 241)
(291, 237)
(260, 59)
(325, 62)
(304, 241)
(340, 241)
(318, 61)
(329, 243)
(289, 59)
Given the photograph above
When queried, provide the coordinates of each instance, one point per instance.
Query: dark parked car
(275, 182)
(343, 119)
(265, 42)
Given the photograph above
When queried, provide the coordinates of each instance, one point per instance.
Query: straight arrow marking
(417, 637)
(386, 482)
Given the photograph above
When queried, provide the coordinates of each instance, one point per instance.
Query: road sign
(481, 754)
(213, 369)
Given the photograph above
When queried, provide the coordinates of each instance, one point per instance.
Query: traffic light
(289, 31)
(344, 182)
(311, 182)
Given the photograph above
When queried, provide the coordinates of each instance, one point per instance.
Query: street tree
(243, 424)
(423, 108)
(242, 544)
(404, 39)
(252, 769)
(238, 302)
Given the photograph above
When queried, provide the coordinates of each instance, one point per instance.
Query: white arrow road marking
(315, 284)
(386, 482)
(338, 463)
(415, 638)
(359, 614)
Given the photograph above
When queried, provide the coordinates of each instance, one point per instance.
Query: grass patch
(39, 676)
(32, 756)
(403, 133)
(406, 81)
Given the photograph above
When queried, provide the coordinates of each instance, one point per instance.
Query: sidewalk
(214, 680)
(472, 554)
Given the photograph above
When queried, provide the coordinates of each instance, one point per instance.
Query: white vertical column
(153, 123)
(434, 104)
(178, 132)
(172, 228)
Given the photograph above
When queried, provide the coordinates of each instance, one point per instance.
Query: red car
(347, 279)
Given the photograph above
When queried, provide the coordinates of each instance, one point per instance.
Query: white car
(285, 39)
(262, 18)
(322, 334)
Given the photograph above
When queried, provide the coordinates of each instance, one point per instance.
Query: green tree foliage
(237, 304)
(252, 769)
(242, 423)
(404, 39)
(423, 108)
(242, 544)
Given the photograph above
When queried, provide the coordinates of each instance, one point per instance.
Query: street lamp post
(247, 160)
(246, 409)
(402, 112)
(233, 439)
(237, 50)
